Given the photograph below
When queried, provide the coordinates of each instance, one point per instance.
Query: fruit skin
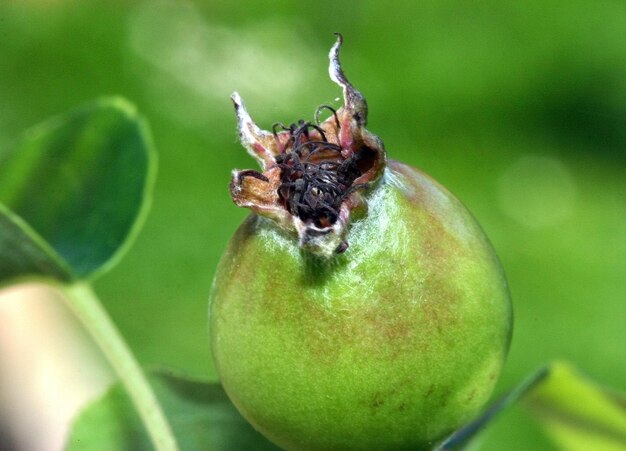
(391, 345)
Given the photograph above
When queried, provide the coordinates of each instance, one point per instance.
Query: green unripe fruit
(390, 344)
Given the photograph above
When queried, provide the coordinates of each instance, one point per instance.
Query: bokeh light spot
(210, 61)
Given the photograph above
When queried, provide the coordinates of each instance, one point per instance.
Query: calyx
(313, 174)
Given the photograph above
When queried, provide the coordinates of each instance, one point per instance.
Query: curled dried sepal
(314, 174)
(259, 143)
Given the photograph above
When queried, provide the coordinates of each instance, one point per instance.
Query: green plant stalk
(84, 302)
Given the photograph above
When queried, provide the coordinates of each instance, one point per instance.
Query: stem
(86, 305)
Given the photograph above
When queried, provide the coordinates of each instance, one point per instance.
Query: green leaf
(576, 413)
(570, 411)
(73, 190)
(22, 251)
(201, 415)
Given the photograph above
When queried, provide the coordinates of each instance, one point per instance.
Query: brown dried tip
(314, 173)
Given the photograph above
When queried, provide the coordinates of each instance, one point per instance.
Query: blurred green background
(519, 108)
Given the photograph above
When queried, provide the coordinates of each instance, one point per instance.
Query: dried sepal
(259, 143)
(259, 192)
(314, 173)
